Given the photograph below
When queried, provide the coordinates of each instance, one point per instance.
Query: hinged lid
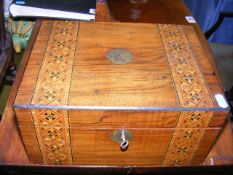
(89, 65)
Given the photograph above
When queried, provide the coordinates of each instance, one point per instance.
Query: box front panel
(96, 147)
(53, 137)
(205, 145)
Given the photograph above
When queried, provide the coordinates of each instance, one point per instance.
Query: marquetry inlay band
(53, 136)
(190, 85)
(182, 146)
(188, 134)
(53, 83)
(191, 91)
(195, 119)
(52, 88)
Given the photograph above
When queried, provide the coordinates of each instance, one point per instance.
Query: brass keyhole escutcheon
(138, 1)
(119, 56)
(122, 137)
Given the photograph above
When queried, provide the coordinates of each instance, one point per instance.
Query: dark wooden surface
(154, 11)
(38, 170)
(5, 57)
(222, 152)
(12, 150)
(5, 45)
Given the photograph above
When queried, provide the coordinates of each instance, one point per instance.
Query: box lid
(125, 66)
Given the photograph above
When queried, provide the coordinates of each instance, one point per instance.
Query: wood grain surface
(31, 73)
(174, 15)
(222, 152)
(159, 11)
(95, 147)
(211, 76)
(98, 82)
(204, 146)
(171, 12)
(75, 72)
(127, 119)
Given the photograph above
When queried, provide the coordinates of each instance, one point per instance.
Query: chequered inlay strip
(196, 119)
(187, 136)
(52, 88)
(53, 136)
(192, 92)
(182, 146)
(189, 82)
(53, 83)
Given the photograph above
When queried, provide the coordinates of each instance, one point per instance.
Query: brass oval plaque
(119, 56)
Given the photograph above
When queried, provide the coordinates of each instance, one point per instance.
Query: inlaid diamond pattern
(185, 70)
(183, 143)
(192, 92)
(52, 88)
(194, 119)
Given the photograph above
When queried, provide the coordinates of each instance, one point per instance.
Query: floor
(5, 89)
(223, 55)
(224, 59)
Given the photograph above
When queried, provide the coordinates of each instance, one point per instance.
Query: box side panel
(182, 146)
(218, 119)
(52, 60)
(147, 147)
(206, 143)
(31, 145)
(28, 135)
(187, 136)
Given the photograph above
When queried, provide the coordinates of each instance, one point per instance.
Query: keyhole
(124, 145)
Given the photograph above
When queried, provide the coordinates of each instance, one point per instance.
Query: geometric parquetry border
(191, 91)
(188, 79)
(52, 88)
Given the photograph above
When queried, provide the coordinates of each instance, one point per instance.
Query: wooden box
(118, 94)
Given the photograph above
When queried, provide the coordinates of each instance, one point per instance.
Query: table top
(168, 11)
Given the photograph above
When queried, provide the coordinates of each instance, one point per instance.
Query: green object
(21, 31)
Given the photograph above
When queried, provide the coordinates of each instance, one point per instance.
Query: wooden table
(167, 11)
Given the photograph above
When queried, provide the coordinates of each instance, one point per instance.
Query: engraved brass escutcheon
(119, 56)
(117, 135)
(123, 137)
